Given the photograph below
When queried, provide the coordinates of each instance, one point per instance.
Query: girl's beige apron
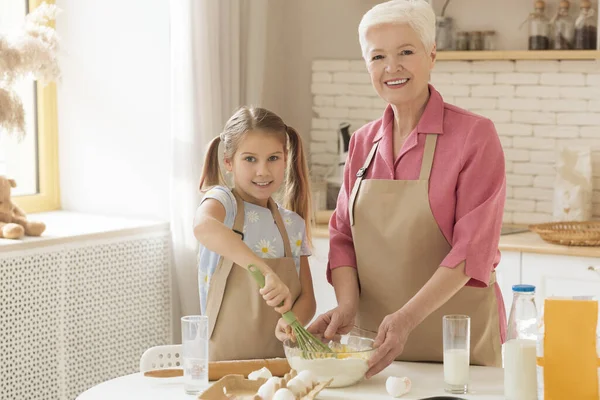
(241, 324)
(398, 247)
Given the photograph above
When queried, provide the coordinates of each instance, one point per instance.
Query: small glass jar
(539, 28)
(564, 28)
(462, 41)
(586, 30)
(443, 33)
(476, 41)
(489, 40)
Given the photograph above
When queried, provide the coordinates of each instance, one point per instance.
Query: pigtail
(297, 195)
(211, 171)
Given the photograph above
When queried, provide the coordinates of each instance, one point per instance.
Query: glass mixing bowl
(347, 364)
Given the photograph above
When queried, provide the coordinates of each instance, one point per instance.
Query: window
(33, 161)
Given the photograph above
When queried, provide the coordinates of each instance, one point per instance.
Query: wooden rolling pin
(218, 369)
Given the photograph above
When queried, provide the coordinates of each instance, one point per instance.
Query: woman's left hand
(391, 338)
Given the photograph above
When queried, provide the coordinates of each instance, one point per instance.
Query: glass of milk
(457, 341)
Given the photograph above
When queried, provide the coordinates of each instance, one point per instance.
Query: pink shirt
(467, 186)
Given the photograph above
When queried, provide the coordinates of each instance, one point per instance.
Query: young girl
(243, 225)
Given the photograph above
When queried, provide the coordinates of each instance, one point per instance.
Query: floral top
(260, 234)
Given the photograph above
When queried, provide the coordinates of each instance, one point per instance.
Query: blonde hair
(296, 189)
(417, 13)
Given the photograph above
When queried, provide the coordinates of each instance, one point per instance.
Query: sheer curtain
(218, 52)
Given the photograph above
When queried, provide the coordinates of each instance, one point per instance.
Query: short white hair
(417, 13)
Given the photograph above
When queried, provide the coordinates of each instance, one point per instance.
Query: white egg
(307, 377)
(266, 391)
(297, 386)
(261, 373)
(396, 387)
(273, 381)
(284, 394)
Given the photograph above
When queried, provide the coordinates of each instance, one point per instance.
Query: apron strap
(281, 226)
(427, 163)
(218, 281)
(359, 177)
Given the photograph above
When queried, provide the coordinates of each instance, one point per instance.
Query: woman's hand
(391, 338)
(276, 292)
(337, 321)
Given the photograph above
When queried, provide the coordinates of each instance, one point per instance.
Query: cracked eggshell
(260, 373)
(396, 387)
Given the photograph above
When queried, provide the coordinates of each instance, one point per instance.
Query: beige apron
(241, 324)
(398, 247)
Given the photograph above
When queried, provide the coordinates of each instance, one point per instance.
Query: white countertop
(427, 381)
(526, 242)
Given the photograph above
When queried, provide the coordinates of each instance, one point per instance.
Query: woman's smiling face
(398, 63)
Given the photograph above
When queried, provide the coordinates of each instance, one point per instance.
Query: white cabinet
(324, 293)
(555, 275)
(508, 273)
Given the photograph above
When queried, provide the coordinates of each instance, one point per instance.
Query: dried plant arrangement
(30, 53)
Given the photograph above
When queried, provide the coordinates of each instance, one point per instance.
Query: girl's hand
(276, 292)
(283, 331)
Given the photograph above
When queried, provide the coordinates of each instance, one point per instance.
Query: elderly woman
(416, 228)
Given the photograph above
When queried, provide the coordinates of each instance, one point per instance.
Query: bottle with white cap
(520, 347)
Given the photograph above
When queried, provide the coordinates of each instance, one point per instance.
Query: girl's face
(258, 166)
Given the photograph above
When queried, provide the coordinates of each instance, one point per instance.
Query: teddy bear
(13, 221)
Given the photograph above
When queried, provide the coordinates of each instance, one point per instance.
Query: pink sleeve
(480, 198)
(341, 245)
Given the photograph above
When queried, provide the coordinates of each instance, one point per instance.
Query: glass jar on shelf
(539, 28)
(476, 41)
(563, 28)
(586, 30)
(462, 41)
(443, 33)
(489, 40)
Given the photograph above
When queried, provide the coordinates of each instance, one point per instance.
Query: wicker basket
(569, 233)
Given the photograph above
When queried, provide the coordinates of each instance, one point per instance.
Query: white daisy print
(296, 243)
(252, 216)
(265, 249)
(288, 221)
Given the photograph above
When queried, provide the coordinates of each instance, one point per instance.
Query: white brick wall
(535, 105)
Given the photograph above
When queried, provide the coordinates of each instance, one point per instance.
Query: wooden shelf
(519, 55)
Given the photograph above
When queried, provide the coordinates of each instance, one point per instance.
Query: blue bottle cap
(523, 288)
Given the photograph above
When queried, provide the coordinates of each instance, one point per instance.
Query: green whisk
(306, 341)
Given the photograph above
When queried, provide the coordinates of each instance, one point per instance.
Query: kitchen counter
(526, 242)
(530, 242)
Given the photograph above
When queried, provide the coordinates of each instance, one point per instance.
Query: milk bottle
(520, 347)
